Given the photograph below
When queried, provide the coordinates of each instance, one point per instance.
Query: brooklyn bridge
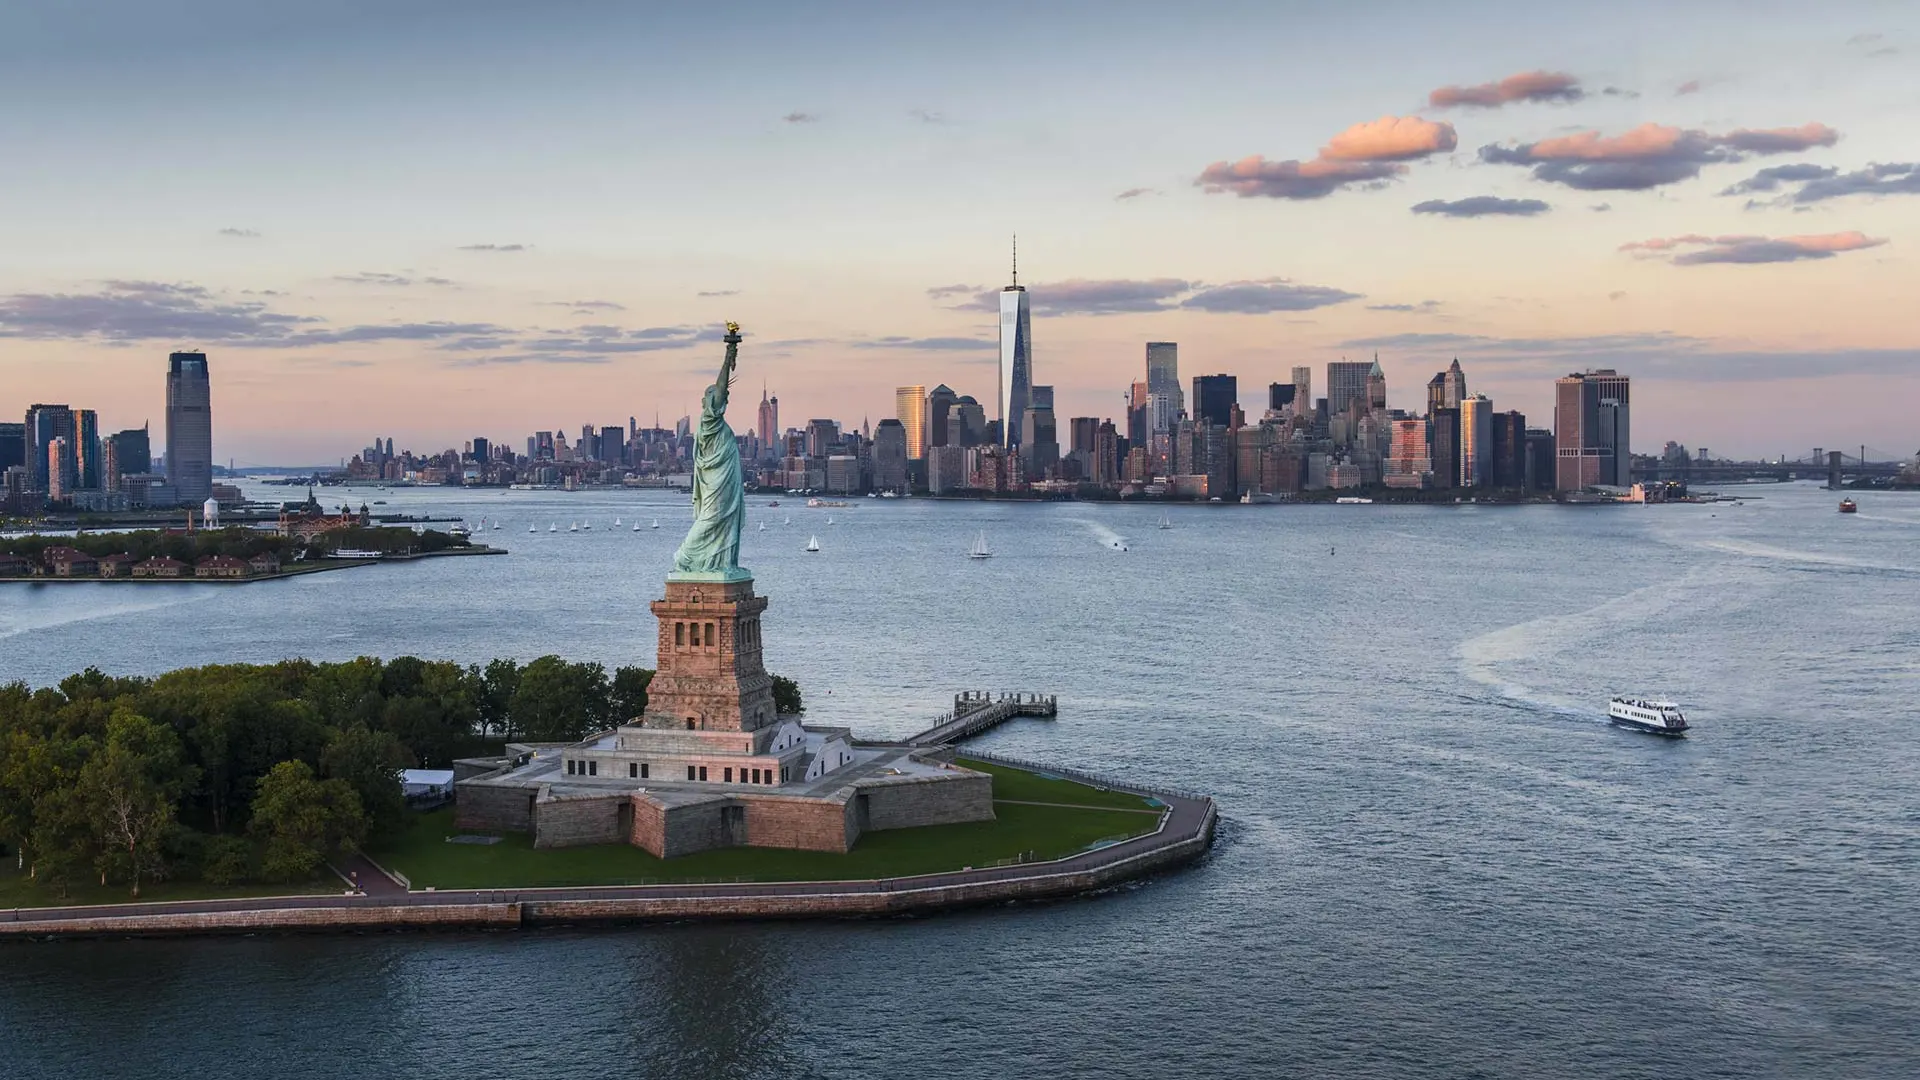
(1836, 467)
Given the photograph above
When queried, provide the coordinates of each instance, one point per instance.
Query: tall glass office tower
(1016, 356)
(189, 427)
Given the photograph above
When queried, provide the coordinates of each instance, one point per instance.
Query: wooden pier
(975, 711)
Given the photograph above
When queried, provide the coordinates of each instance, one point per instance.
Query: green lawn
(1023, 786)
(19, 891)
(425, 857)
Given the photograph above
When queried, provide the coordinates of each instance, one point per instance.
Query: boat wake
(1109, 539)
(1751, 550)
(1490, 659)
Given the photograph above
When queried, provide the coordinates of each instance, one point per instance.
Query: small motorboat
(1848, 506)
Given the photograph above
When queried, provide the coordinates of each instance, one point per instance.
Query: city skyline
(452, 260)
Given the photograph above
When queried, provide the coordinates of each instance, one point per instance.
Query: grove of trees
(258, 772)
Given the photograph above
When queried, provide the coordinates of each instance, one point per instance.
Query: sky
(432, 220)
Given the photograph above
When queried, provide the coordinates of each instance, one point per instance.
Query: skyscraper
(1476, 441)
(13, 446)
(1376, 385)
(89, 472)
(769, 419)
(44, 424)
(1591, 444)
(1214, 397)
(1346, 383)
(189, 427)
(1445, 437)
(60, 468)
(1281, 396)
(891, 442)
(1165, 400)
(1302, 388)
(939, 401)
(1509, 450)
(1454, 384)
(1016, 356)
(613, 445)
(910, 407)
(1040, 441)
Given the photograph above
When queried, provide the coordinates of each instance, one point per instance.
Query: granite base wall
(669, 830)
(580, 820)
(803, 824)
(488, 808)
(942, 800)
(276, 920)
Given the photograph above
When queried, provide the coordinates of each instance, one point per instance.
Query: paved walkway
(1187, 820)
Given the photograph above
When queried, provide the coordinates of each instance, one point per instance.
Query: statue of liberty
(711, 551)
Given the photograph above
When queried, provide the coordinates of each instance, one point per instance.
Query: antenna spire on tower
(1016, 258)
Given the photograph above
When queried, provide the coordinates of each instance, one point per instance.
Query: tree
(370, 762)
(786, 697)
(128, 791)
(629, 693)
(301, 819)
(559, 702)
(497, 685)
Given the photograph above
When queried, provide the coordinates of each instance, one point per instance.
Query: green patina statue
(711, 551)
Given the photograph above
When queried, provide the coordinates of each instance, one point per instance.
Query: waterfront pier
(977, 711)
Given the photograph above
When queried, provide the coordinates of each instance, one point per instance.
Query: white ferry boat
(1659, 717)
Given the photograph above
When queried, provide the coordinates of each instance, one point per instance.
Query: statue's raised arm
(711, 551)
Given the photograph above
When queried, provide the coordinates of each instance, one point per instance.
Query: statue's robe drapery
(719, 496)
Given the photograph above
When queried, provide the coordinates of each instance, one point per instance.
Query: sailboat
(496, 525)
(829, 519)
(573, 526)
(979, 549)
(656, 523)
(763, 526)
(553, 527)
(813, 543)
(786, 521)
(1165, 523)
(533, 528)
(587, 525)
(616, 523)
(636, 526)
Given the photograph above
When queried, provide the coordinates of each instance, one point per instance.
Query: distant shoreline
(293, 570)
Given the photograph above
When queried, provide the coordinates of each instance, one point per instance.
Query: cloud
(1365, 155)
(1753, 249)
(1654, 355)
(1482, 206)
(1256, 177)
(244, 234)
(930, 344)
(1421, 307)
(1818, 183)
(1115, 297)
(1691, 86)
(585, 305)
(130, 311)
(1616, 294)
(1551, 86)
(496, 247)
(1136, 192)
(1866, 39)
(1264, 297)
(527, 358)
(375, 277)
(927, 116)
(418, 331)
(941, 292)
(718, 292)
(1648, 156)
(800, 118)
(1600, 208)
(1391, 138)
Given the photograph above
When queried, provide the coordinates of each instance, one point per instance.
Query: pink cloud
(1526, 86)
(1755, 249)
(1391, 138)
(1650, 155)
(1364, 154)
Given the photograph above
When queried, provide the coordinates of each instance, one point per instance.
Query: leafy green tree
(629, 693)
(786, 696)
(370, 762)
(497, 685)
(128, 792)
(559, 702)
(225, 860)
(301, 819)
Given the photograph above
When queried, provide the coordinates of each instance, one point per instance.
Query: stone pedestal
(709, 675)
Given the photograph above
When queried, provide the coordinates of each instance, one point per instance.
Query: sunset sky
(435, 220)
